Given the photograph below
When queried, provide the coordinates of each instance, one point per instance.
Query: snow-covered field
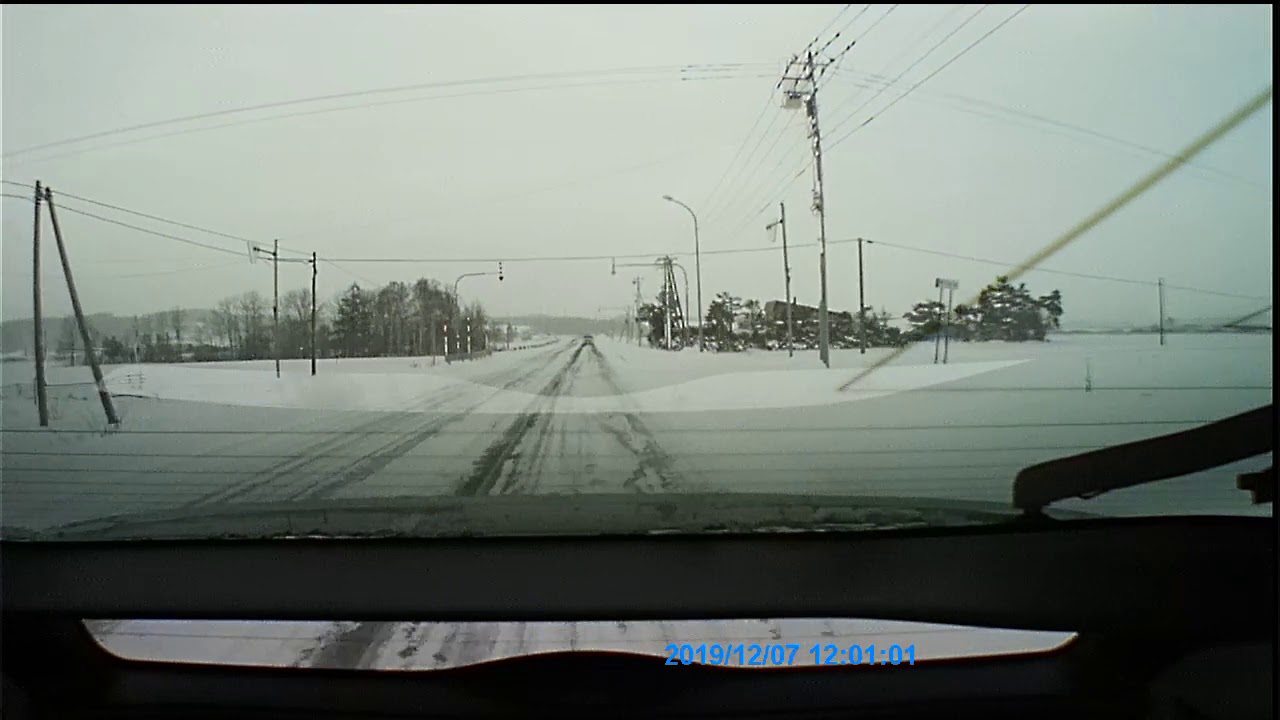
(614, 419)
(621, 418)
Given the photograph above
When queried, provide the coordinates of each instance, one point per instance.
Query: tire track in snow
(655, 469)
(312, 458)
(358, 644)
(501, 459)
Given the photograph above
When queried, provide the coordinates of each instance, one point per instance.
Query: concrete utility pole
(944, 322)
(1160, 286)
(685, 337)
(862, 300)
(90, 355)
(801, 90)
(275, 303)
(697, 270)
(314, 270)
(639, 302)
(786, 271)
(42, 397)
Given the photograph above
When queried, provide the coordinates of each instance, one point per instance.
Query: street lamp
(697, 259)
(455, 301)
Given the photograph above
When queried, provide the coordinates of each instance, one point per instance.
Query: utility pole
(786, 271)
(274, 252)
(1160, 285)
(862, 300)
(944, 324)
(802, 90)
(89, 353)
(667, 276)
(937, 333)
(697, 260)
(314, 270)
(639, 301)
(275, 303)
(42, 397)
(435, 321)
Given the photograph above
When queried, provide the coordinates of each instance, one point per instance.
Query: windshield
(330, 271)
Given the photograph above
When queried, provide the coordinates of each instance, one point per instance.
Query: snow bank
(403, 392)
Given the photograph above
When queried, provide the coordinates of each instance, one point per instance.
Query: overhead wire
(893, 61)
(333, 262)
(358, 93)
(909, 68)
(367, 105)
(926, 78)
(1193, 149)
(1067, 273)
(706, 202)
(787, 181)
(787, 185)
(950, 100)
(715, 212)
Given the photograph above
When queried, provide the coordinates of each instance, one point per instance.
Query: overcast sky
(1026, 134)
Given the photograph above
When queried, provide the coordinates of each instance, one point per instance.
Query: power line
(177, 238)
(907, 49)
(1060, 124)
(786, 183)
(99, 203)
(367, 105)
(714, 213)
(1087, 276)
(1208, 138)
(718, 209)
(836, 19)
(118, 208)
(926, 78)
(841, 56)
(752, 176)
(362, 93)
(909, 68)
(768, 101)
(632, 256)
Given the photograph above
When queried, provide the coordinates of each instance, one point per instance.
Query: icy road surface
(605, 418)
(611, 417)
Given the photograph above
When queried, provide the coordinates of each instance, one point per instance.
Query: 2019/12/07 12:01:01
(789, 655)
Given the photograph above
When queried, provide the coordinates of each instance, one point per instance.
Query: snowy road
(573, 418)
(607, 417)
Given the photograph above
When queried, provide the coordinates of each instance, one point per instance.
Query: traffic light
(499, 271)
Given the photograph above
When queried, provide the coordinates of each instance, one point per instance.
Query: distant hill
(16, 336)
(553, 325)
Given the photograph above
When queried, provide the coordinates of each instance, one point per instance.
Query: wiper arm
(1090, 474)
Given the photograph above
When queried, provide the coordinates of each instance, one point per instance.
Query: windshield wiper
(1090, 474)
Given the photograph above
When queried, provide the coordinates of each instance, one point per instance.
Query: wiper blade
(1090, 474)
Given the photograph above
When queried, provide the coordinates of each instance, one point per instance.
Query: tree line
(731, 323)
(396, 319)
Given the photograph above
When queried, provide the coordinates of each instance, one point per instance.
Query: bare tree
(176, 317)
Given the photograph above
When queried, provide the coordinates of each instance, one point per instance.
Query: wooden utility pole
(862, 301)
(314, 270)
(937, 337)
(89, 353)
(275, 303)
(42, 397)
(1160, 286)
(786, 271)
(435, 320)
